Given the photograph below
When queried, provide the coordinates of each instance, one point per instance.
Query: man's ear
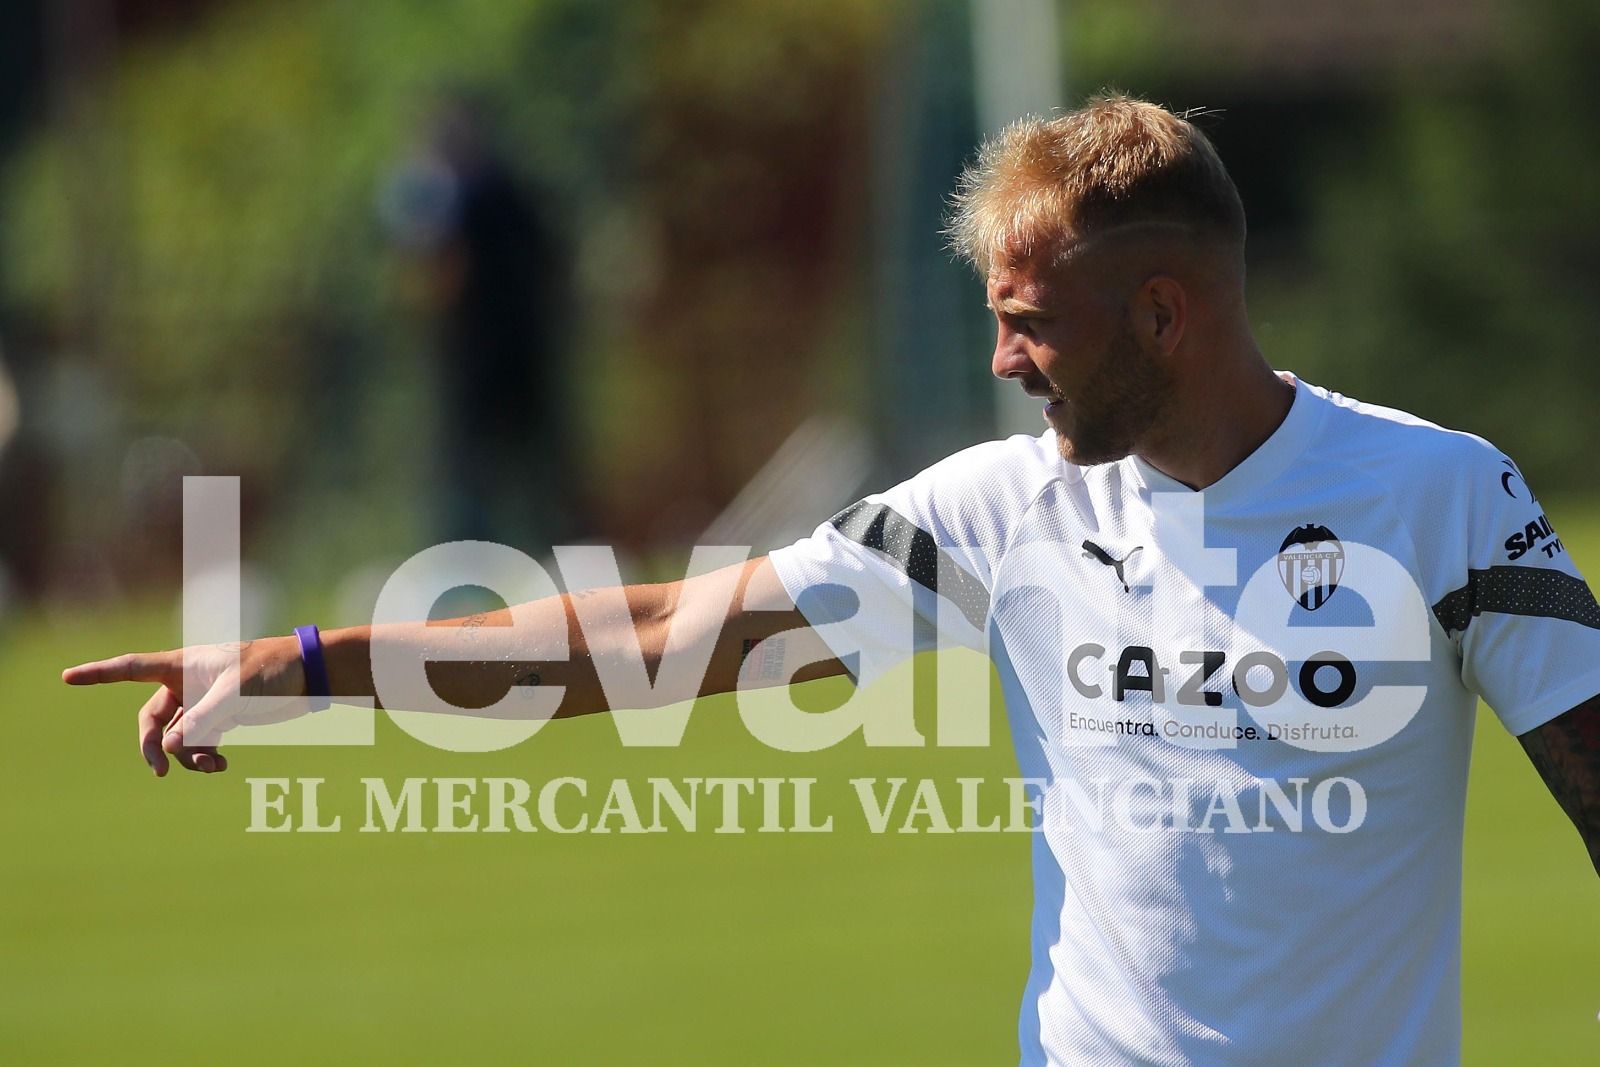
(1162, 312)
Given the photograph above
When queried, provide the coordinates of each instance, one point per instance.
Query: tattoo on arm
(768, 666)
(1566, 753)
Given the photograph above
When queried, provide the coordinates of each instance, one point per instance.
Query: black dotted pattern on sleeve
(1529, 591)
(916, 553)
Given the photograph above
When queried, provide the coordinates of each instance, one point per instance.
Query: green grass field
(142, 923)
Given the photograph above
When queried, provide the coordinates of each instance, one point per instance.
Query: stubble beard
(1115, 410)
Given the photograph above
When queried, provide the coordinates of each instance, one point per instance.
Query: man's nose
(1011, 359)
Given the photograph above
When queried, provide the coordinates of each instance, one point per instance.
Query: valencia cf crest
(1311, 562)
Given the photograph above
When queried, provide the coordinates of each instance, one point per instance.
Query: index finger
(131, 667)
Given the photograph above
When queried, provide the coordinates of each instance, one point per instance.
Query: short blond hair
(1115, 161)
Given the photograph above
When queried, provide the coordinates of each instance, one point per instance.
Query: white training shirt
(1249, 711)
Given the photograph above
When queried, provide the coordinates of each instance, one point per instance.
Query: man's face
(1070, 341)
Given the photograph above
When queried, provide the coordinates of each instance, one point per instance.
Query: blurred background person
(490, 273)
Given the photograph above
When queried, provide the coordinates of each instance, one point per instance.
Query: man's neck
(1220, 422)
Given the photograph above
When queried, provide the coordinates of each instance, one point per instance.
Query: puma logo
(1094, 551)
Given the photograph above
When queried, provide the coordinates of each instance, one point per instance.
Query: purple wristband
(316, 667)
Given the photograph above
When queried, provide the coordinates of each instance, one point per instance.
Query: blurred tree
(751, 210)
(1456, 252)
(708, 161)
(249, 307)
(1419, 181)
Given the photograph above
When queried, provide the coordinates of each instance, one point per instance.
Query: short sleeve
(1527, 623)
(909, 569)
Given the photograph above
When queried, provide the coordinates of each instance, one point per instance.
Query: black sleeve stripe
(1531, 591)
(914, 551)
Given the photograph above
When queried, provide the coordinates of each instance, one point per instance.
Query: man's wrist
(347, 655)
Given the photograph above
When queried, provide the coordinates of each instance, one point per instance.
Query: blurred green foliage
(1445, 250)
(1456, 254)
(222, 186)
(244, 161)
(202, 224)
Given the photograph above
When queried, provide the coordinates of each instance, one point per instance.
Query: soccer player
(1242, 624)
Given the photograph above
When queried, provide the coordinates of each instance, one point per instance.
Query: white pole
(1017, 70)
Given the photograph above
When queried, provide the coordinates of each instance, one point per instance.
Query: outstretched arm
(472, 662)
(1566, 752)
